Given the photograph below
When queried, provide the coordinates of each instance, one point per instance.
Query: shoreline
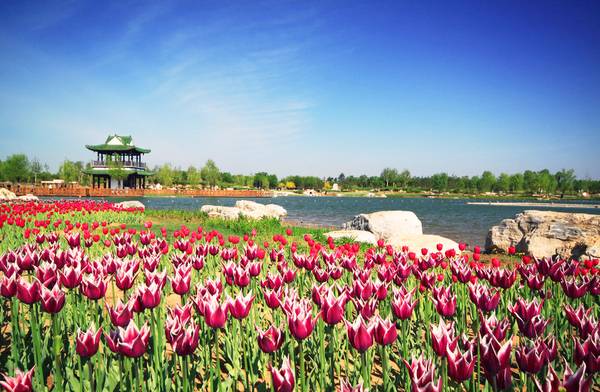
(529, 204)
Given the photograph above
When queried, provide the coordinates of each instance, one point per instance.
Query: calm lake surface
(452, 218)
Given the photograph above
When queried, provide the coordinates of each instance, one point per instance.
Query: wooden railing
(105, 192)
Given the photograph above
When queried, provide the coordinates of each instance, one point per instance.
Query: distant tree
(487, 182)
(36, 169)
(164, 175)
(503, 183)
(193, 176)
(531, 181)
(273, 181)
(565, 181)
(517, 182)
(16, 168)
(439, 182)
(290, 185)
(404, 179)
(547, 182)
(210, 173)
(261, 180)
(70, 171)
(389, 176)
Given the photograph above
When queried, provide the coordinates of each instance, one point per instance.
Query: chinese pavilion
(118, 164)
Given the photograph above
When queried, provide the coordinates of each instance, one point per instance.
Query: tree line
(19, 168)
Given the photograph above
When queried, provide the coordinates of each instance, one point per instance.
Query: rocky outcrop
(130, 204)
(385, 224)
(548, 233)
(28, 197)
(246, 208)
(354, 235)
(5, 194)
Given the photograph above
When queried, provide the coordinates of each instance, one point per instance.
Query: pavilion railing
(106, 164)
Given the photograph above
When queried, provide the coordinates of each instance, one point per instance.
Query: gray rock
(246, 208)
(130, 204)
(385, 224)
(354, 235)
(548, 233)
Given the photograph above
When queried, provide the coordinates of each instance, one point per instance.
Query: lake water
(452, 218)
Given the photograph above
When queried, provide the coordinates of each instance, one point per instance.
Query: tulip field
(98, 298)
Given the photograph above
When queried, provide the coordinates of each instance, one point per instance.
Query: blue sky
(312, 88)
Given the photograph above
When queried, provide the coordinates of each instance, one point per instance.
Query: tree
(389, 176)
(210, 173)
(193, 176)
(164, 175)
(516, 182)
(531, 181)
(16, 168)
(439, 182)
(487, 182)
(70, 171)
(404, 179)
(565, 181)
(503, 183)
(36, 169)
(547, 182)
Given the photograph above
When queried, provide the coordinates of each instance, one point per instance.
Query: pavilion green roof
(117, 143)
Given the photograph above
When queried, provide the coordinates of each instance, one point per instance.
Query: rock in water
(385, 224)
(245, 208)
(130, 204)
(548, 233)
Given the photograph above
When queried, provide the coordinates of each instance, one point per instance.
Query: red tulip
(495, 356)
(421, 372)
(28, 292)
(531, 359)
(121, 313)
(402, 303)
(8, 285)
(182, 278)
(384, 331)
(52, 300)
(445, 301)
(21, 382)
(484, 298)
(443, 337)
(332, 308)
(70, 276)
(149, 295)
(131, 342)
(360, 334)
(187, 340)
(87, 343)
(300, 320)
(93, 286)
(283, 379)
(239, 307)
(215, 314)
(460, 366)
(270, 340)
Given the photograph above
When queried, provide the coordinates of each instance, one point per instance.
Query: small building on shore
(118, 164)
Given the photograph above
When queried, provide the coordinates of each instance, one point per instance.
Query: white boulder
(385, 224)
(5, 194)
(28, 197)
(355, 235)
(246, 208)
(129, 204)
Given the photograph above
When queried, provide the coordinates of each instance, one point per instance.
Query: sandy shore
(528, 204)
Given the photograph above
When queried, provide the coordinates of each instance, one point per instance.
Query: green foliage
(210, 173)
(71, 171)
(16, 168)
